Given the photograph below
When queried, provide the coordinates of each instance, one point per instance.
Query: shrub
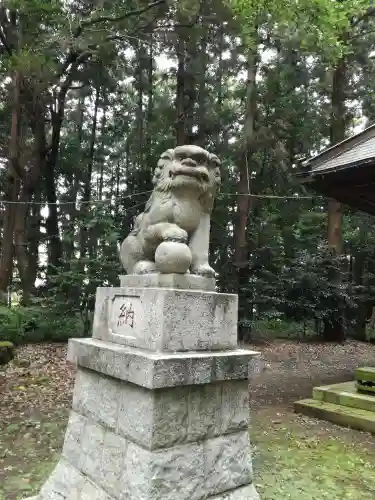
(280, 328)
(36, 324)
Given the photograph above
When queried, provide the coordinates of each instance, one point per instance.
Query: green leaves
(322, 25)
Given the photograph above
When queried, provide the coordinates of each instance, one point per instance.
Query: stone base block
(167, 444)
(247, 493)
(175, 281)
(127, 471)
(160, 370)
(160, 418)
(126, 442)
(67, 483)
(146, 318)
(82, 488)
(108, 467)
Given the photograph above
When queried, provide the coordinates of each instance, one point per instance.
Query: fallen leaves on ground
(292, 369)
(38, 381)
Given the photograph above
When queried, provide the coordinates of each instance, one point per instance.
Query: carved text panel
(126, 313)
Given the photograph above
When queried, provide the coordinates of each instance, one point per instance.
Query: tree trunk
(337, 134)
(85, 245)
(150, 102)
(33, 237)
(219, 103)
(202, 120)
(102, 149)
(335, 225)
(244, 189)
(139, 113)
(74, 180)
(190, 91)
(20, 246)
(52, 222)
(180, 90)
(334, 331)
(6, 260)
(20, 241)
(14, 176)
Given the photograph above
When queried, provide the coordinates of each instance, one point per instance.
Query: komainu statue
(172, 234)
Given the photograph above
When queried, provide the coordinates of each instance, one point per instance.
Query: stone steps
(345, 394)
(342, 404)
(366, 373)
(345, 416)
(365, 377)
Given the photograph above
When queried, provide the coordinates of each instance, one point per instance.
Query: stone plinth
(175, 281)
(165, 319)
(152, 424)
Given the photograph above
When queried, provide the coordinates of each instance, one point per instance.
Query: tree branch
(370, 12)
(117, 19)
(77, 87)
(4, 41)
(73, 57)
(65, 86)
(362, 35)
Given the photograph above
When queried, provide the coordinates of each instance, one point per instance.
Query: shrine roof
(345, 171)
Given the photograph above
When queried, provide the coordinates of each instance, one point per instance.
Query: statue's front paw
(144, 267)
(204, 270)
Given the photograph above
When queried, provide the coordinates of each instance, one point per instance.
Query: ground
(294, 457)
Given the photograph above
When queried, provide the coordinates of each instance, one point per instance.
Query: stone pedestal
(160, 405)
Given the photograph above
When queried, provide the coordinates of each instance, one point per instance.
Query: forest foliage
(92, 92)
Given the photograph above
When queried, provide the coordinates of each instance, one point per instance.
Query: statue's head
(189, 169)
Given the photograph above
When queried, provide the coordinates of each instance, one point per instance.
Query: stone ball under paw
(173, 257)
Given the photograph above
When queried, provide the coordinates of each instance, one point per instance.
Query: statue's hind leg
(133, 258)
(131, 253)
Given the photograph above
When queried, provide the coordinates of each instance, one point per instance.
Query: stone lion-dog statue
(172, 234)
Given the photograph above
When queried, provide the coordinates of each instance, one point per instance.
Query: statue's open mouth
(193, 172)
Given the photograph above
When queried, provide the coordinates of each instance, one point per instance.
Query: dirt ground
(294, 457)
(292, 369)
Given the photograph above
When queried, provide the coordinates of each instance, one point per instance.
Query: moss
(297, 459)
(365, 374)
(6, 343)
(365, 387)
(6, 352)
(345, 394)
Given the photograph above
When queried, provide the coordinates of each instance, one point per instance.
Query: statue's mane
(162, 192)
(163, 184)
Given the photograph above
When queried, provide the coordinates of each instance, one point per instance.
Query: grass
(28, 452)
(298, 458)
(294, 458)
